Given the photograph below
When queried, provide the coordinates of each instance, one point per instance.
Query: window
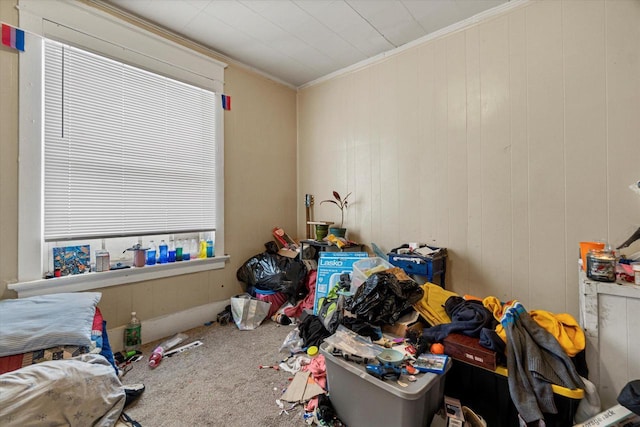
(127, 152)
(127, 146)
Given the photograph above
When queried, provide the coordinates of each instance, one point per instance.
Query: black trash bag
(382, 298)
(272, 272)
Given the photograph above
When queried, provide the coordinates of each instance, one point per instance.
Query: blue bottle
(163, 257)
(186, 250)
(172, 251)
(151, 253)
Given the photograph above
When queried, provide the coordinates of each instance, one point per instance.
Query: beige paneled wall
(260, 183)
(507, 142)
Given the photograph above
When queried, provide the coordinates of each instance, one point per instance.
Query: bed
(56, 364)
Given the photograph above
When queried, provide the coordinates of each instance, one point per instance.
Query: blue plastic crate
(415, 264)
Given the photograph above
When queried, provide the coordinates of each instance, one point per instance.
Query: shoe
(471, 419)
(224, 317)
(132, 392)
(126, 420)
(281, 319)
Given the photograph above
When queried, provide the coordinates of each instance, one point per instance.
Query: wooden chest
(469, 350)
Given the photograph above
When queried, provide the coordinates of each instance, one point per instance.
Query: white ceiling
(298, 41)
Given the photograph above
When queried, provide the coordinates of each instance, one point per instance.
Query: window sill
(90, 281)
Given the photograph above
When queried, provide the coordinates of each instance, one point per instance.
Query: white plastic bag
(353, 344)
(292, 343)
(589, 406)
(248, 312)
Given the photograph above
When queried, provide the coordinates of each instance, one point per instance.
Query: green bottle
(133, 334)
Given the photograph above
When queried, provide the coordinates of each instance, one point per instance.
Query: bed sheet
(62, 352)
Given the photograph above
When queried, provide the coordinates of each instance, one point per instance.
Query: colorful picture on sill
(71, 259)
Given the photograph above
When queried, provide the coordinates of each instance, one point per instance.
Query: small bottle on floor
(156, 357)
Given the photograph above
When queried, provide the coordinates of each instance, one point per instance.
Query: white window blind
(127, 152)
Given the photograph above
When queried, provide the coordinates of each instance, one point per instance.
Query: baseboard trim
(166, 326)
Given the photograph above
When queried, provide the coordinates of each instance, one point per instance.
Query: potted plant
(342, 204)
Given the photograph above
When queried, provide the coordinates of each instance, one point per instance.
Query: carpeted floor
(218, 383)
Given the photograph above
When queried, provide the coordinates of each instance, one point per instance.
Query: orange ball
(437, 348)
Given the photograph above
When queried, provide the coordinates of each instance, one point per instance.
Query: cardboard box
(408, 322)
(289, 253)
(468, 349)
(330, 266)
(616, 416)
(286, 245)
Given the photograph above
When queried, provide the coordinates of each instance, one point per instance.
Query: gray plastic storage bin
(362, 400)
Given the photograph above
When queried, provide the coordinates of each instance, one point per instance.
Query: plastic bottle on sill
(186, 250)
(179, 250)
(210, 249)
(151, 253)
(133, 334)
(193, 248)
(172, 251)
(203, 249)
(163, 256)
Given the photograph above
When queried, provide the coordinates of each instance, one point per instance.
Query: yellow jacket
(431, 306)
(563, 326)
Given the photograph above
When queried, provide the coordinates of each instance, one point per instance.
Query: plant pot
(321, 231)
(338, 232)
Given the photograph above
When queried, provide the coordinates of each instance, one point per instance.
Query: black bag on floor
(273, 272)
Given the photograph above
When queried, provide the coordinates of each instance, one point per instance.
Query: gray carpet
(218, 383)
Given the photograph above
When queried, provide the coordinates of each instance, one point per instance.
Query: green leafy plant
(340, 202)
